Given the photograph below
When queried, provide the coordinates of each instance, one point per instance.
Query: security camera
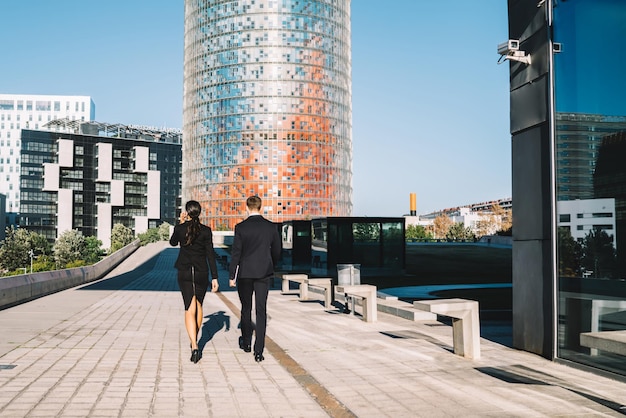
(509, 50)
(508, 47)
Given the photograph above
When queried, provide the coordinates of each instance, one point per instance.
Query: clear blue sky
(430, 104)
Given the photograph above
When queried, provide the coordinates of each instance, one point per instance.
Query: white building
(3, 217)
(582, 216)
(474, 216)
(24, 111)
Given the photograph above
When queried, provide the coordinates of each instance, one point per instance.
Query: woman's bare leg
(198, 317)
(191, 323)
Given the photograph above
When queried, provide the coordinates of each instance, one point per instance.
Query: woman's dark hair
(193, 211)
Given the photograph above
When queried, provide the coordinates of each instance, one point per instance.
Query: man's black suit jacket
(256, 249)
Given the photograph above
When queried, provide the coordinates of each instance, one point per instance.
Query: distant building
(473, 215)
(580, 217)
(579, 138)
(89, 176)
(24, 111)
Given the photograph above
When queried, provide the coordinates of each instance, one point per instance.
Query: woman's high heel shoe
(195, 355)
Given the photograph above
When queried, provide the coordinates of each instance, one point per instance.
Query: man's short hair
(253, 203)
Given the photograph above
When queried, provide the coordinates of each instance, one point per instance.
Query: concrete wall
(530, 98)
(24, 287)
(221, 238)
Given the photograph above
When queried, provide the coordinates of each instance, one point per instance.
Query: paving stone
(100, 350)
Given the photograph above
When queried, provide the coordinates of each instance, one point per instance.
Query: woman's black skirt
(193, 283)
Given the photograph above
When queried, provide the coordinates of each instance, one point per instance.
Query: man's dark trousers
(260, 288)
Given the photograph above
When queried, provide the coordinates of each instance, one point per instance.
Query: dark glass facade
(590, 173)
(318, 245)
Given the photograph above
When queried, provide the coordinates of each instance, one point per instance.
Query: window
(6, 105)
(43, 105)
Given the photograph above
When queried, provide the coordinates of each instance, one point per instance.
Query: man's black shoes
(245, 347)
(258, 357)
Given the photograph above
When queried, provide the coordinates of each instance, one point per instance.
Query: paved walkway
(118, 348)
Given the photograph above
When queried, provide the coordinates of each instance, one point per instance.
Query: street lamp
(31, 253)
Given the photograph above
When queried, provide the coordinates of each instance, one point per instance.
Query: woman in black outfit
(196, 247)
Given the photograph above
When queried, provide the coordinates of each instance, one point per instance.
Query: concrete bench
(392, 306)
(297, 278)
(584, 315)
(366, 292)
(611, 341)
(304, 281)
(326, 284)
(465, 323)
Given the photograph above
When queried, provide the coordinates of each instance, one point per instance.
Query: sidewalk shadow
(125, 279)
(214, 323)
(154, 274)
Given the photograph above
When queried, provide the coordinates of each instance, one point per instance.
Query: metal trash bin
(348, 274)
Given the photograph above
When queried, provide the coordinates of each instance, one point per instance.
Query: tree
(222, 227)
(503, 218)
(441, 226)
(121, 236)
(69, 247)
(39, 244)
(498, 221)
(14, 250)
(164, 231)
(93, 250)
(151, 235)
(416, 232)
(599, 254)
(16, 247)
(487, 225)
(458, 231)
(161, 233)
(366, 231)
(570, 254)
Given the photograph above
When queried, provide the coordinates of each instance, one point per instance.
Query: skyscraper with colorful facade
(268, 108)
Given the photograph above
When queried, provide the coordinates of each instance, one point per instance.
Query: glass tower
(268, 108)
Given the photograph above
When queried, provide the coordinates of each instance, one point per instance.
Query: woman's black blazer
(198, 253)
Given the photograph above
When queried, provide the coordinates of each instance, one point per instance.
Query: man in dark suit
(256, 249)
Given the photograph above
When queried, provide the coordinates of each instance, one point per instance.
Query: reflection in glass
(317, 246)
(366, 247)
(590, 141)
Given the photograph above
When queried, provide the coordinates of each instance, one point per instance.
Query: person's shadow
(214, 323)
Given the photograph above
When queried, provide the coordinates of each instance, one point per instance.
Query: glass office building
(568, 124)
(589, 84)
(267, 108)
(89, 176)
(30, 111)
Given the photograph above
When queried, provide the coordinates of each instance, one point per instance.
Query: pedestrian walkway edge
(320, 394)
